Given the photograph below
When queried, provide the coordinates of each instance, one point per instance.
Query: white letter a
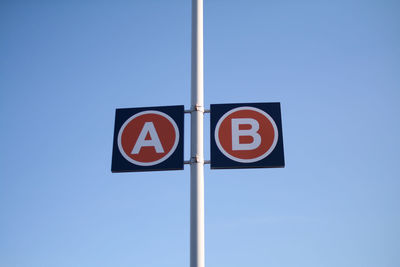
(154, 140)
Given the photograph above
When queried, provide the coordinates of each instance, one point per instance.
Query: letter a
(154, 140)
(236, 133)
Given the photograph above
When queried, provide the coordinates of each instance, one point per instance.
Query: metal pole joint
(196, 159)
(197, 107)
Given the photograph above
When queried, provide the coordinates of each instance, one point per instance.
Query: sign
(246, 136)
(148, 139)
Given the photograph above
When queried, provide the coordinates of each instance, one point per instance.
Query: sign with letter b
(246, 136)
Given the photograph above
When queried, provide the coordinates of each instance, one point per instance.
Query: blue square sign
(246, 135)
(148, 139)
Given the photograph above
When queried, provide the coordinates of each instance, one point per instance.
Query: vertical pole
(196, 139)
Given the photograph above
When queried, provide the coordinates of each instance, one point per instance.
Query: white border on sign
(246, 160)
(153, 162)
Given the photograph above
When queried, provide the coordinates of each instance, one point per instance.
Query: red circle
(267, 132)
(165, 131)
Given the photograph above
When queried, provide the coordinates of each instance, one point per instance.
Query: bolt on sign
(246, 135)
(148, 139)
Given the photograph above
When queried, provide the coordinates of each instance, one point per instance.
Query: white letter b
(236, 133)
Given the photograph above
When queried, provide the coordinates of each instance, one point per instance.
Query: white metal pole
(196, 149)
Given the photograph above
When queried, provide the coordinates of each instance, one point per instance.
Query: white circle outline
(246, 160)
(152, 162)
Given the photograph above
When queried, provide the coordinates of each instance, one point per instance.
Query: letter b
(236, 133)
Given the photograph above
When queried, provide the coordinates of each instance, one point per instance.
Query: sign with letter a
(246, 136)
(148, 139)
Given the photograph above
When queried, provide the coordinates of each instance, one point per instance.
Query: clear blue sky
(334, 66)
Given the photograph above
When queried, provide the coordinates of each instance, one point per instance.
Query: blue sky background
(334, 66)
